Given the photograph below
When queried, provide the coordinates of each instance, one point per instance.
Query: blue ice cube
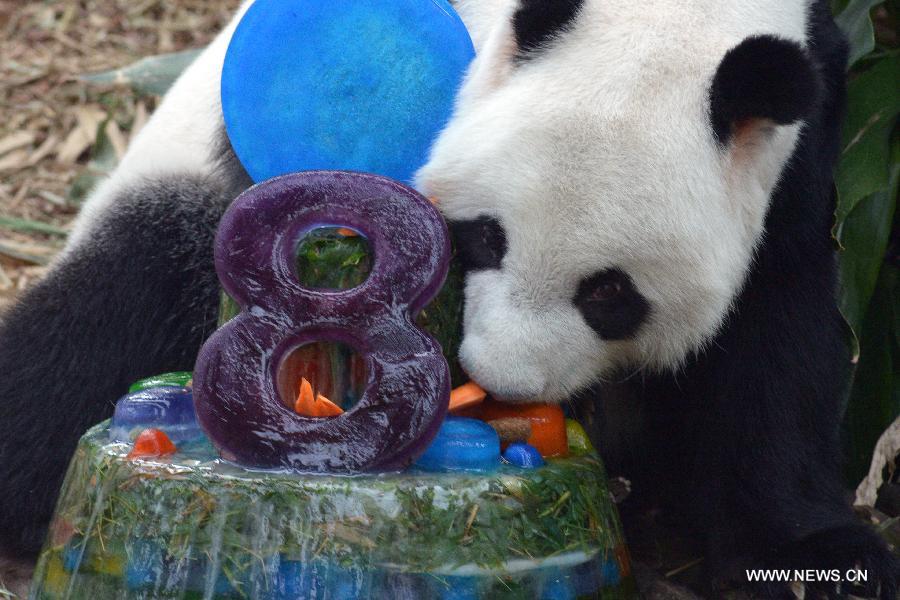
(462, 445)
(169, 409)
(145, 566)
(610, 572)
(523, 455)
(557, 586)
(458, 587)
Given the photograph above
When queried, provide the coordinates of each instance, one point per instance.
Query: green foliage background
(867, 224)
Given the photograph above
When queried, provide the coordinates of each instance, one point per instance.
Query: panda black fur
(630, 195)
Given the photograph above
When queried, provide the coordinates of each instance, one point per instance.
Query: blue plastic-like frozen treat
(353, 85)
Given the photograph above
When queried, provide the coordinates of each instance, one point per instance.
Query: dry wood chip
(44, 150)
(70, 43)
(116, 138)
(14, 161)
(27, 248)
(17, 120)
(66, 19)
(21, 193)
(26, 79)
(16, 140)
(885, 453)
(142, 7)
(141, 116)
(98, 22)
(52, 198)
(83, 136)
(34, 271)
(5, 282)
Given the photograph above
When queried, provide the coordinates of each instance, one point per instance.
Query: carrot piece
(327, 408)
(548, 424)
(466, 395)
(305, 399)
(347, 232)
(151, 443)
(309, 405)
(61, 531)
(624, 560)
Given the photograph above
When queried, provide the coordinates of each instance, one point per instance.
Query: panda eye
(604, 286)
(606, 291)
(611, 304)
(480, 243)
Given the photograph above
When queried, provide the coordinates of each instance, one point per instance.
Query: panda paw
(845, 561)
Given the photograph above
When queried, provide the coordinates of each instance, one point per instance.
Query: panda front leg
(136, 296)
(762, 430)
(133, 294)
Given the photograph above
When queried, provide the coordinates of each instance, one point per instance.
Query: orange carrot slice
(310, 405)
(466, 395)
(152, 443)
(624, 560)
(326, 407)
(548, 424)
(346, 232)
(306, 398)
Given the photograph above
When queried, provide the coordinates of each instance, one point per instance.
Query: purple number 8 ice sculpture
(408, 383)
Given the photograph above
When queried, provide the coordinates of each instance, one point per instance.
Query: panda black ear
(764, 78)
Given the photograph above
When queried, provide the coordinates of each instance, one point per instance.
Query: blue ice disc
(358, 85)
(462, 444)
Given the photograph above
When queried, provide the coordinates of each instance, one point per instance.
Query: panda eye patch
(480, 243)
(536, 23)
(611, 304)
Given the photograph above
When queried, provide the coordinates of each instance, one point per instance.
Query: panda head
(606, 175)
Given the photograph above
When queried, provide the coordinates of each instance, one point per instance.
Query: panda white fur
(641, 194)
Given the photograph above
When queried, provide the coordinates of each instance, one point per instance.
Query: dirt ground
(51, 121)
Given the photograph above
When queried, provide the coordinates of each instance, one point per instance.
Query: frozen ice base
(193, 526)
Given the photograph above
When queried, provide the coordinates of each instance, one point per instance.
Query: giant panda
(641, 195)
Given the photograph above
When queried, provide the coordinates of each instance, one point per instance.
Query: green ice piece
(176, 379)
(579, 442)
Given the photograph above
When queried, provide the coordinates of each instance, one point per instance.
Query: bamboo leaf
(28, 253)
(856, 23)
(864, 235)
(33, 226)
(874, 399)
(152, 75)
(872, 114)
